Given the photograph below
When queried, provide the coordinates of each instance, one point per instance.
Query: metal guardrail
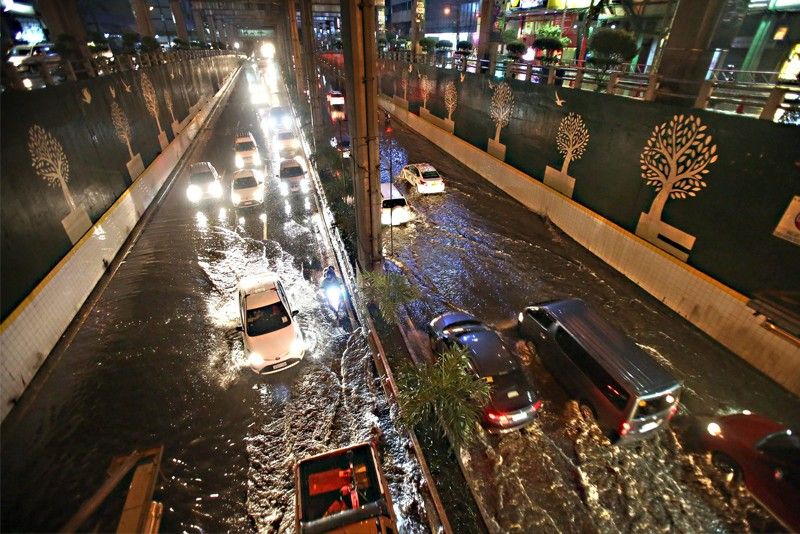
(751, 93)
(50, 73)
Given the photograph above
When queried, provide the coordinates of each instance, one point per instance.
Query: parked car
(424, 177)
(27, 57)
(628, 393)
(514, 403)
(394, 209)
(343, 491)
(338, 112)
(335, 98)
(246, 151)
(293, 176)
(762, 453)
(272, 338)
(204, 182)
(245, 189)
(286, 142)
(279, 117)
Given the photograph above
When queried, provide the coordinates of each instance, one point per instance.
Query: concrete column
(688, 52)
(485, 31)
(142, 15)
(199, 26)
(760, 40)
(60, 17)
(415, 29)
(296, 50)
(310, 63)
(180, 20)
(358, 40)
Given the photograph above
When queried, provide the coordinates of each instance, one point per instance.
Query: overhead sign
(259, 33)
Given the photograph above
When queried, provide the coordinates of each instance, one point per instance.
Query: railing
(50, 73)
(753, 93)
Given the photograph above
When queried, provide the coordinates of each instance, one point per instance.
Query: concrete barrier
(31, 331)
(713, 307)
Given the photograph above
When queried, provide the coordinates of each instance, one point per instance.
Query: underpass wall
(746, 196)
(62, 155)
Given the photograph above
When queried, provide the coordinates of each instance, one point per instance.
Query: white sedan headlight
(239, 161)
(194, 193)
(255, 360)
(297, 347)
(215, 189)
(235, 198)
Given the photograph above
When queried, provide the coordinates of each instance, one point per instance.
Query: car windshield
(784, 444)
(267, 319)
(244, 146)
(337, 107)
(277, 112)
(290, 172)
(283, 136)
(201, 178)
(653, 405)
(244, 182)
(430, 174)
(20, 51)
(394, 203)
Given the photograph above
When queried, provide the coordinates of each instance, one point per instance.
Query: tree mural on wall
(49, 161)
(674, 161)
(404, 84)
(426, 87)
(170, 105)
(450, 98)
(150, 99)
(501, 107)
(121, 125)
(571, 139)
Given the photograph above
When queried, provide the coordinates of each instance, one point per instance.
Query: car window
(267, 319)
(542, 317)
(201, 177)
(244, 146)
(283, 136)
(244, 182)
(430, 174)
(781, 444)
(393, 203)
(412, 169)
(291, 171)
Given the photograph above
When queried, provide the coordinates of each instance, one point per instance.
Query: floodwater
(158, 361)
(477, 250)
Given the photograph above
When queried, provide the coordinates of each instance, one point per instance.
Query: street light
(236, 45)
(447, 10)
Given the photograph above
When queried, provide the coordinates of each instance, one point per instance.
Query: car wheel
(727, 466)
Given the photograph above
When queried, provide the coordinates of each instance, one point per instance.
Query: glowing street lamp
(236, 45)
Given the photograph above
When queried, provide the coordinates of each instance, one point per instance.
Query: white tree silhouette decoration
(501, 108)
(404, 84)
(150, 99)
(571, 139)
(121, 125)
(450, 98)
(426, 87)
(170, 105)
(675, 160)
(49, 161)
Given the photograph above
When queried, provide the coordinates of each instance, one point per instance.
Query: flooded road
(475, 249)
(159, 361)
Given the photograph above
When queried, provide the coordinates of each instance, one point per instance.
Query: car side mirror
(295, 313)
(239, 328)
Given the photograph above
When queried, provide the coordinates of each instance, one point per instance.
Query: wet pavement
(158, 360)
(476, 249)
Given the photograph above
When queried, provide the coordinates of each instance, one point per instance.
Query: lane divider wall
(29, 335)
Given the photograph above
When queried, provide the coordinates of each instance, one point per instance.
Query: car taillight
(498, 418)
(623, 429)
(537, 406)
(672, 411)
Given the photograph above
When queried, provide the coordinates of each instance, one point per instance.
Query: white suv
(293, 177)
(286, 142)
(245, 189)
(424, 177)
(272, 338)
(204, 182)
(247, 154)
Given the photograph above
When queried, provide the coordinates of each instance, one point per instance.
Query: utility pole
(296, 52)
(415, 29)
(180, 20)
(358, 40)
(485, 32)
(311, 68)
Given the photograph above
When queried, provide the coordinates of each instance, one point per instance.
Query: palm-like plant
(388, 291)
(444, 392)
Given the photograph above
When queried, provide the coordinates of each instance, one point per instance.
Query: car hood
(246, 192)
(273, 345)
(511, 393)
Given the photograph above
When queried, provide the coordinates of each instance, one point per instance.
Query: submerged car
(279, 117)
(514, 402)
(764, 454)
(286, 142)
(272, 338)
(343, 491)
(204, 182)
(394, 208)
(293, 177)
(424, 177)
(246, 153)
(245, 189)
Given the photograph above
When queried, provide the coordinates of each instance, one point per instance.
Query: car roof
(201, 166)
(244, 136)
(615, 351)
(259, 289)
(290, 163)
(424, 167)
(488, 352)
(390, 191)
(243, 173)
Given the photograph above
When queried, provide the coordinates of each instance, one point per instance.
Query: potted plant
(608, 48)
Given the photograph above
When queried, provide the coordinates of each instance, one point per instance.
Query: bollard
(772, 104)
(613, 82)
(652, 86)
(704, 95)
(551, 75)
(578, 78)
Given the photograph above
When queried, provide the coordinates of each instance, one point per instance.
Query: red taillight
(537, 406)
(672, 411)
(493, 416)
(623, 429)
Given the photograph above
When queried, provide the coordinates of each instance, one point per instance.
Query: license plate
(519, 416)
(649, 426)
(279, 365)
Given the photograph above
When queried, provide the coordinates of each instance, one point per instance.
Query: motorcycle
(334, 292)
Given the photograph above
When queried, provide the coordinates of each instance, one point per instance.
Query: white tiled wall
(717, 310)
(28, 336)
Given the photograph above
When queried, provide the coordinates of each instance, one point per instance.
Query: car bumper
(247, 203)
(430, 189)
(496, 428)
(277, 366)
